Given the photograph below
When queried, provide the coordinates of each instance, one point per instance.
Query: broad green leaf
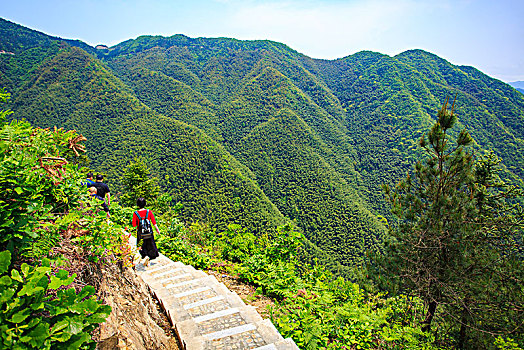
(78, 340)
(20, 316)
(55, 283)
(75, 325)
(25, 339)
(16, 276)
(5, 261)
(6, 295)
(5, 281)
(39, 334)
(86, 291)
(61, 336)
(25, 269)
(62, 274)
(59, 326)
(46, 262)
(100, 316)
(43, 269)
(61, 279)
(90, 305)
(37, 306)
(29, 289)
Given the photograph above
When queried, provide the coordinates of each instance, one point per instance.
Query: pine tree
(458, 239)
(138, 183)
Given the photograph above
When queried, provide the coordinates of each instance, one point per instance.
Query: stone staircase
(204, 312)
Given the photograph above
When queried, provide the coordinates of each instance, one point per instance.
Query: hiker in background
(102, 190)
(93, 193)
(89, 181)
(144, 220)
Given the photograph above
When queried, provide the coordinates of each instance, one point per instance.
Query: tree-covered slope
(25, 50)
(307, 189)
(323, 202)
(247, 130)
(491, 109)
(367, 110)
(74, 90)
(390, 101)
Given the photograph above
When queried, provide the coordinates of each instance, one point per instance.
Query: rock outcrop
(135, 321)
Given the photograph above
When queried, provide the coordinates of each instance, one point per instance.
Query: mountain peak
(420, 54)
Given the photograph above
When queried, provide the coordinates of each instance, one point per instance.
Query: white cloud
(320, 29)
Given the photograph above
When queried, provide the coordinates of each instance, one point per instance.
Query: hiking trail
(205, 313)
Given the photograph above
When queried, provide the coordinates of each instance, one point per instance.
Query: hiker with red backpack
(144, 221)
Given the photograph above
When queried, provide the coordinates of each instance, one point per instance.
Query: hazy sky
(487, 34)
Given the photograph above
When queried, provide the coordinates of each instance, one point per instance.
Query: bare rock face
(135, 321)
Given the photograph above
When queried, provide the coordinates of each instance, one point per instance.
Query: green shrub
(104, 241)
(181, 250)
(311, 306)
(36, 182)
(237, 244)
(36, 312)
(506, 344)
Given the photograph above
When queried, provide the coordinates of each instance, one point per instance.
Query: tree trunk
(429, 316)
(463, 327)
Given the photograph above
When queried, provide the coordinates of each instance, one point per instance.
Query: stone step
(286, 344)
(169, 273)
(201, 299)
(159, 265)
(218, 321)
(204, 312)
(260, 335)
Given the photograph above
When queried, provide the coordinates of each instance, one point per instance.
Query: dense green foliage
(27, 294)
(316, 309)
(254, 133)
(138, 184)
(201, 174)
(36, 180)
(42, 201)
(458, 245)
(251, 135)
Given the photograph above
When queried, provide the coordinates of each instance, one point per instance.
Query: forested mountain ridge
(257, 129)
(17, 39)
(391, 101)
(246, 92)
(74, 90)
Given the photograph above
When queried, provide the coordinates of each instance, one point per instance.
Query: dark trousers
(149, 248)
